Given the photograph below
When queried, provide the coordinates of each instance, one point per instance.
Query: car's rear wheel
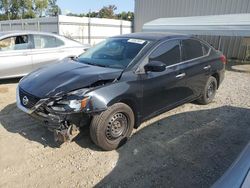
(209, 91)
(111, 128)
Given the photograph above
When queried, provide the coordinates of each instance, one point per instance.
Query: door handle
(207, 67)
(181, 75)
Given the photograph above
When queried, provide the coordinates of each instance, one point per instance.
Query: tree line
(106, 12)
(21, 9)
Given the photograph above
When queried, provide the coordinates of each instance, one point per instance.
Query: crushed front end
(63, 114)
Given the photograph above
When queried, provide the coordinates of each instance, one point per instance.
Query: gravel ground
(190, 146)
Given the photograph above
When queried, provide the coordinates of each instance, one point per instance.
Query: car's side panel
(197, 75)
(163, 90)
(15, 63)
(217, 67)
(49, 52)
(198, 72)
(49, 56)
(44, 57)
(238, 173)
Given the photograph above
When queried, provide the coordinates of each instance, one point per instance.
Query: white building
(85, 30)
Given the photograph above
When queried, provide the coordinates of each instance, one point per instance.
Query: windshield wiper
(95, 64)
(75, 59)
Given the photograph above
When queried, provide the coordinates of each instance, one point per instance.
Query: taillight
(223, 59)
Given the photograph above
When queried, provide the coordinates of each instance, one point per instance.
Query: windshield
(113, 52)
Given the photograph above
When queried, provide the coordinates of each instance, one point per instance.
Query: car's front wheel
(111, 128)
(209, 91)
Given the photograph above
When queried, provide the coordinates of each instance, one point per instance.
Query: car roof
(152, 36)
(20, 32)
(27, 32)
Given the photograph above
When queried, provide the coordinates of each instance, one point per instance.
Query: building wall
(92, 30)
(39, 24)
(148, 10)
(84, 30)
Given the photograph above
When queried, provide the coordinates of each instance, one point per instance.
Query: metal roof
(216, 25)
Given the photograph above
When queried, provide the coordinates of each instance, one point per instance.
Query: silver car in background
(238, 175)
(22, 52)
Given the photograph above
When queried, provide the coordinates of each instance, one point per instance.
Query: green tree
(15, 9)
(53, 8)
(5, 7)
(92, 14)
(26, 9)
(77, 15)
(126, 16)
(108, 12)
(3, 17)
(40, 7)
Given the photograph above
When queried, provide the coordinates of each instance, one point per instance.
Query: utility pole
(89, 30)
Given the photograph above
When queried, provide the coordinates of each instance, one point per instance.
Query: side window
(168, 53)
(205, 49)
(44, 41)
(15, 43)
(191, 49)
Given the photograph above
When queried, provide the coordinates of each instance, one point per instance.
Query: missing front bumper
(66, 134)
(65, 126)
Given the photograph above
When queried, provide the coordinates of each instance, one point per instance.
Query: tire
(112, 128)
(209, 91)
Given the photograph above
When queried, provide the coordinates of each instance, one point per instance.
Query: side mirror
(155, 66)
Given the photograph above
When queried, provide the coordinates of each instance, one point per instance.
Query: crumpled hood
(65, 77)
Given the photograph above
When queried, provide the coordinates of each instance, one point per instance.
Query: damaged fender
(118, 91)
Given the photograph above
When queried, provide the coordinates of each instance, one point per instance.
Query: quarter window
(168, 53)
(15, 43)
(191, 49)
(43, 41)
(205, 49)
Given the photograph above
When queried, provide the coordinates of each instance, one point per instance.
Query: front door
(164, 90)
(15, 59)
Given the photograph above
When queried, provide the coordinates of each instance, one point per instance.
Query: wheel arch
(217, 77)
(132, 104)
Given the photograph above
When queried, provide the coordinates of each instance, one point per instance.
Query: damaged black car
(119, 83)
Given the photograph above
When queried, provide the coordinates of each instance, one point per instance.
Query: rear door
(46, 50)
(15, 58)
(164, 90)
(195, 56)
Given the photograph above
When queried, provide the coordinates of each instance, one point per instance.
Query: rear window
(205, 48)
(45, 41)
(191, 49)
(168, 53)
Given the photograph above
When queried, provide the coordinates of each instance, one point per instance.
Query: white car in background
(22, 52)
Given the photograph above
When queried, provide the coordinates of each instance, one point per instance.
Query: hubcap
(117, 126)
(210, 90)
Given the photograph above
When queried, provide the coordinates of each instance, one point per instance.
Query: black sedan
(120, 83)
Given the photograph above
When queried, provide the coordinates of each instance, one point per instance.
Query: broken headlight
(73, 102)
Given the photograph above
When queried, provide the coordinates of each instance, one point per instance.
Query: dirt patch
(190, 146)
(242, 68)
(4, 89)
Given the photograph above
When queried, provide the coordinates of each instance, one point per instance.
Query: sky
(83, 6)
